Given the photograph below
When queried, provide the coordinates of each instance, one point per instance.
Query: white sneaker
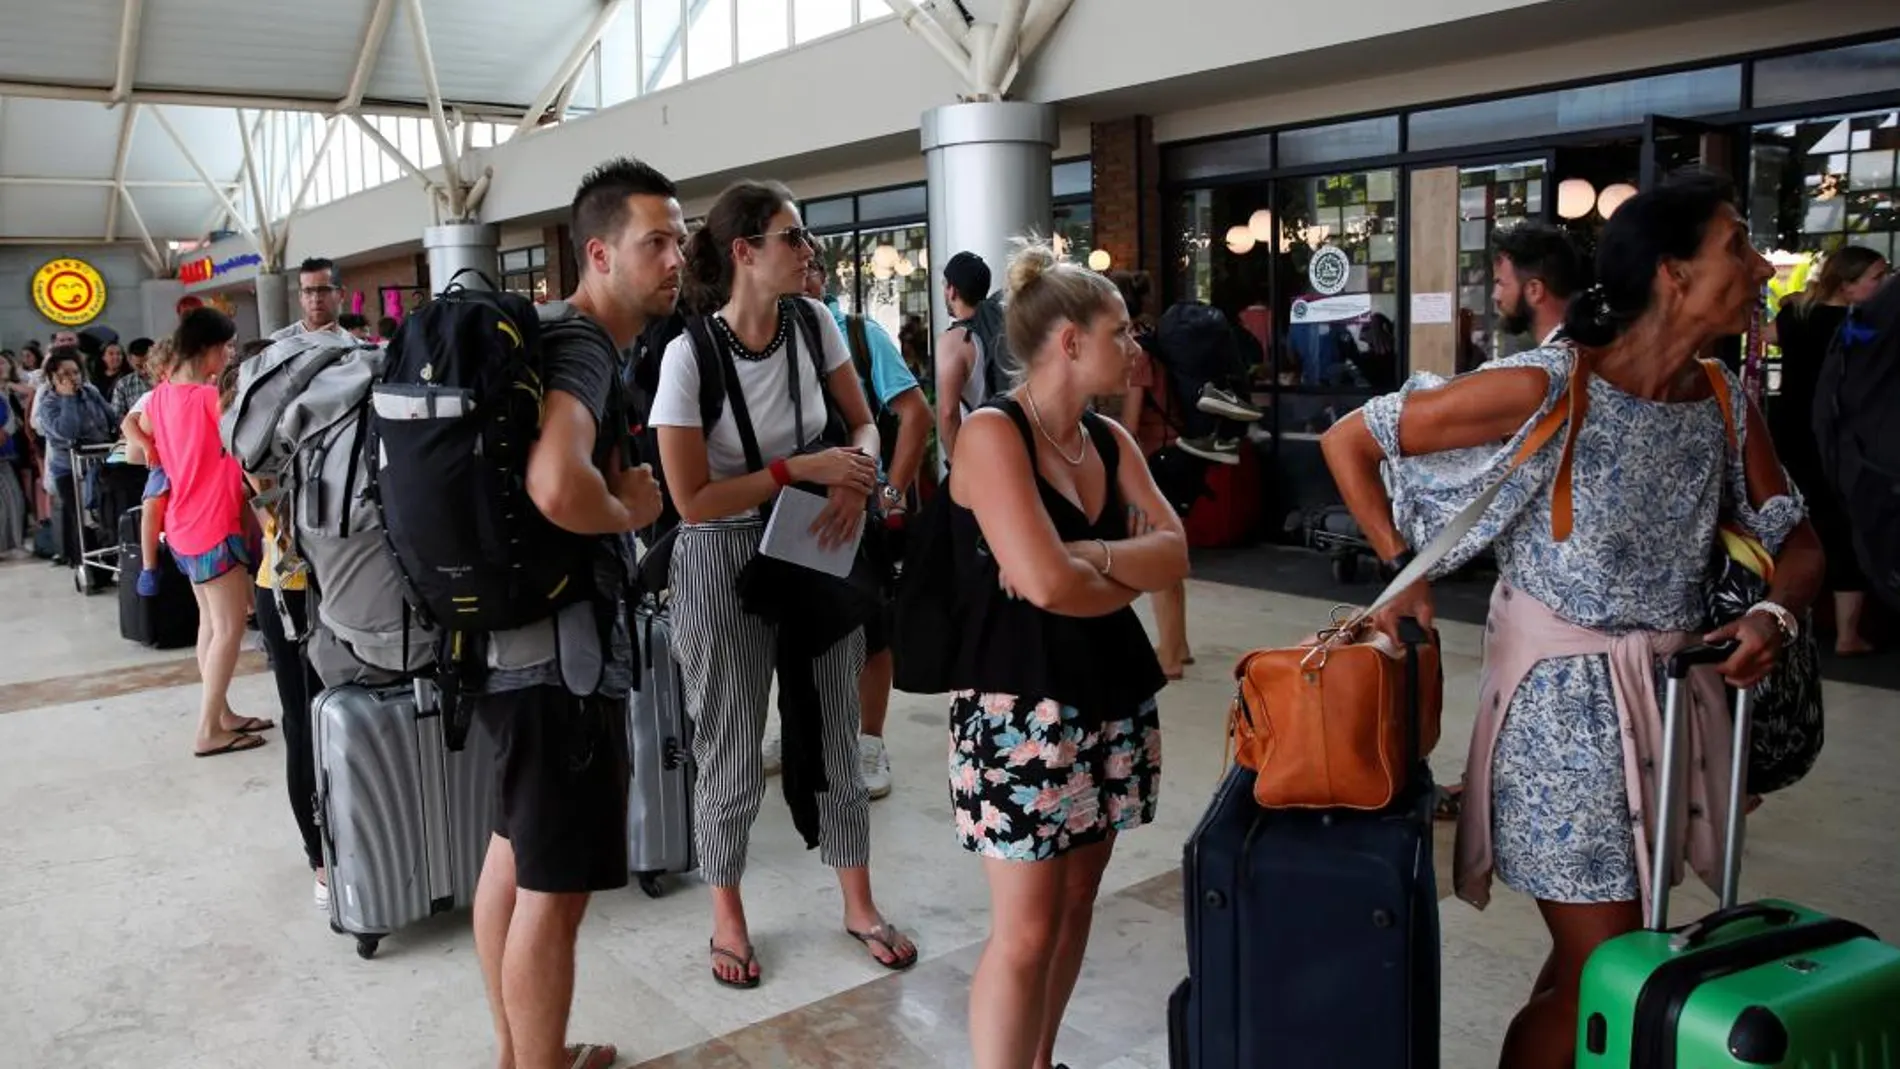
(1218, 402)
(774, 755)
(321, 896)
(877, 765)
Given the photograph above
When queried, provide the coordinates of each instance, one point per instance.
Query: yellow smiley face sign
(69, 292)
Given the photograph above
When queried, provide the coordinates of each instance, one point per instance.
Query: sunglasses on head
(795, 236)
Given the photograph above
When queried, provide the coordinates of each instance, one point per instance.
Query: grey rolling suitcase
(660, 801)
(406, 821)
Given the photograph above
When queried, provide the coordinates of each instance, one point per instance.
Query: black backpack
(1855, 425)
(453, 418)
(990, 332)
(1196, 346)
(857, 336)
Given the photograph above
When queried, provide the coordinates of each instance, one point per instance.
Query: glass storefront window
(1340, 141)
(525, 272)
(1829, 75)
(841, 253)
(1074, 235)
(1825, 184)
(1337, 281)
(1490, 199)
(894, 275)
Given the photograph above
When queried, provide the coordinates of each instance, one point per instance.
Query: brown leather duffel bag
(1342, 720)
(1339, 722)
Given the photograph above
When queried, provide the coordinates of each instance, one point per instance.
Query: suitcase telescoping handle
(1671, 781)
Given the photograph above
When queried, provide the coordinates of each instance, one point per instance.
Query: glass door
(1671, 144)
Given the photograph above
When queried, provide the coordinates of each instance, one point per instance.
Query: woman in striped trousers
(752, 249)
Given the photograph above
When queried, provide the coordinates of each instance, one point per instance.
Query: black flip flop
(888, 936)
(236, 745)
(255, 725)
(745, 964)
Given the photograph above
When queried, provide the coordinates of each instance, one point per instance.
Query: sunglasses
(795, 236)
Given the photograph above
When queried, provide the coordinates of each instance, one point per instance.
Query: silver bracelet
(1785, 621)
(1108, 557)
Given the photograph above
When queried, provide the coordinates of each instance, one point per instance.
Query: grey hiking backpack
(362, 629)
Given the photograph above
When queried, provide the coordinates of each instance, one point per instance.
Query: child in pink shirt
(205, 520)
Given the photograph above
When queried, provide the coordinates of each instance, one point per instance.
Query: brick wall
(1127, 195)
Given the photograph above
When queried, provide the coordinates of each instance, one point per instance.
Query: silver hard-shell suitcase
(406, 821)
(660, 736)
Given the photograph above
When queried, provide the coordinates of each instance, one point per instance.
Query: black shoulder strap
(735, 396)
(858, 337)
(713, 386)
(1008, 406)
(1106, 443)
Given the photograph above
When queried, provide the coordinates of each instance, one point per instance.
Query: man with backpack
(897, 399)
(561, 832)
(320, 298)
(972, 356)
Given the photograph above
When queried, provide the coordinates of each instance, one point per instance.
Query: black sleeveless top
(1104, 665)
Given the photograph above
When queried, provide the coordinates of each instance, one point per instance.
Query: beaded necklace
(739, 348)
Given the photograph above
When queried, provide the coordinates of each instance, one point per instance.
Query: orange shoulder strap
(1719, 383)
(1566, 415)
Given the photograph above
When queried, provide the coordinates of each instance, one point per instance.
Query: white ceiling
(60, 63)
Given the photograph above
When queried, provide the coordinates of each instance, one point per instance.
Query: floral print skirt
(1030, 781)
(1560, 812)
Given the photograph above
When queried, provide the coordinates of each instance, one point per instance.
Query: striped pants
(727, 657)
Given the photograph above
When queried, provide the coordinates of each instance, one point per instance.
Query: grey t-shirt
(581, 363)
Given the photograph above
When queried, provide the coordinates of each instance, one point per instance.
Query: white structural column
(987, 159)
(209, 183)
(127, 123)
(425, 59)
(256, 184)
(128, 68)
(371, 51)
(559, 87)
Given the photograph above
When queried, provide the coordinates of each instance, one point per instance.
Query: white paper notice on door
(1431, 308)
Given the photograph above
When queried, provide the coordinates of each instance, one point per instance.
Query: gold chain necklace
(1035, 413)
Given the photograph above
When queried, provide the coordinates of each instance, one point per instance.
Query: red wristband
(781, 472)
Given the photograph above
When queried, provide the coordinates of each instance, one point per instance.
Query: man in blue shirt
(895, 397)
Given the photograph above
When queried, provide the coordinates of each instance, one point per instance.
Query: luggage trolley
(92, 560)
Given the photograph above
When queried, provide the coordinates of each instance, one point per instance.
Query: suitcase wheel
(650, 884)
(366, 946)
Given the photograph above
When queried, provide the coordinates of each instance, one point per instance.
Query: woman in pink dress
(205, 520)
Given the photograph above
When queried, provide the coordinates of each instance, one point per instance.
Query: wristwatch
(1785, 621)
(890, 496)
(1390, 569)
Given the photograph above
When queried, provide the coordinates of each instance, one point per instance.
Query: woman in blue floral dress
(1055, 744)
(1601, 575)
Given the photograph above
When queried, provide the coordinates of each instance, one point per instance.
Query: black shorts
(564, 771)
(878, 629)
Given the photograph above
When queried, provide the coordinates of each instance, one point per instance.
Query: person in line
(1147, 411)
(140, 449)
(110, 369)
(206, 519)
(386, 329)
(68, 411)
(354, 325)
(1805, 331)
(564, 772)
(1537, 272)
(13, 499)
(320, 298)
(751, 251)
(136, 383)
(17, 456)
(898, 399)
(961, 363)
(1055, 741)
(1579, 625)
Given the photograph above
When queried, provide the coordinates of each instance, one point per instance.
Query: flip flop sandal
(745, 964)
(591, 1056)
(887, 936)
(255, 725)
(237, 745)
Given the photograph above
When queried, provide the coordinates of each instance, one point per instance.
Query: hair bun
(1034, 258)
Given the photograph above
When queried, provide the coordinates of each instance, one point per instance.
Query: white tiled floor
(154, 909)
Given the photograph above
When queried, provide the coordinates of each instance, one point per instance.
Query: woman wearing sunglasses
(751, 251)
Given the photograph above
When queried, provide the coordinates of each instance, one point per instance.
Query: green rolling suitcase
(1760, 984)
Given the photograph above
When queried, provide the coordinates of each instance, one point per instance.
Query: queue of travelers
(1057, 525)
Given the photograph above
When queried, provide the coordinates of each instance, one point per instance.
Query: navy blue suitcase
(1312, 937)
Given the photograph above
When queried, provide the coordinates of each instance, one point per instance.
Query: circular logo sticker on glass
(1330, 270)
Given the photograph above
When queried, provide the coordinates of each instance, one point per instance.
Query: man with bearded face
(1537, 272)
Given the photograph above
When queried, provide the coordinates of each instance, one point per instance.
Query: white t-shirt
(768, 395)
